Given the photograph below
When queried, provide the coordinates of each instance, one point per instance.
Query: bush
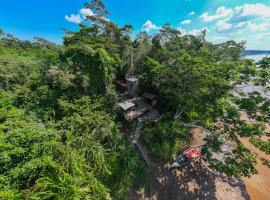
(262, 145)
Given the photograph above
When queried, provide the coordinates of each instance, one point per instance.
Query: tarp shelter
(126, 105)
(149, 96)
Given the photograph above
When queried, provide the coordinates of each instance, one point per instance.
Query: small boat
(188, 156)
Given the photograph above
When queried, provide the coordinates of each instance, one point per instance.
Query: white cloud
(237, 32)
(221, 12)
(245, 12)
(86, 12)
(250, 22)
(78, 18)
(105, 19)
(182, 31)
(259, 27)
(187, 21)
(248, 12)
(240, 25)
(198, 31)
(192, 32)
(217, 39)
(191, 13)
(223, 25)
(149, 26)
(74, 18)
(257, 9)
(247, 16)
(262, 35)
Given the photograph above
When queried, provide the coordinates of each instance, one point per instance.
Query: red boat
(188, 156)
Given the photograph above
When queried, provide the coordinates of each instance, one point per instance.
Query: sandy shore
(258, 185)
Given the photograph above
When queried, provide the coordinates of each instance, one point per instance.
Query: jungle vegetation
(62, 135)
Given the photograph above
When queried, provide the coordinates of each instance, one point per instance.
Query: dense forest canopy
(62, 135)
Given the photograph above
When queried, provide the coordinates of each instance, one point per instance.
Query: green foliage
(256, 104)
(230, 50)
(59, 132)
(91, 131)
(265, 162)
(262, 145)
(164, 137)
(249, 130)
(263, 71)
(192, 83)
(241, 163)
(66, 91)
(198, 82)
(94, 69)
(36, 165)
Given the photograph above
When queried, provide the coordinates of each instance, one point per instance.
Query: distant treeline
(256, 52)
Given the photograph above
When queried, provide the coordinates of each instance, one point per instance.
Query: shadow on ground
(195, 181)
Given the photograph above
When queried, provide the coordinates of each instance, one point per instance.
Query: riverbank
(258, 184)
(195, 181)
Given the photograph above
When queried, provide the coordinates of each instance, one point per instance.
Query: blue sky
(223, 19)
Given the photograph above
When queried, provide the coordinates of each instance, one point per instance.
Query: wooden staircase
(139, 145)
(137, 132)
(144, 153)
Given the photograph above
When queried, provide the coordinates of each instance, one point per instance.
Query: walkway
(136, 141)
